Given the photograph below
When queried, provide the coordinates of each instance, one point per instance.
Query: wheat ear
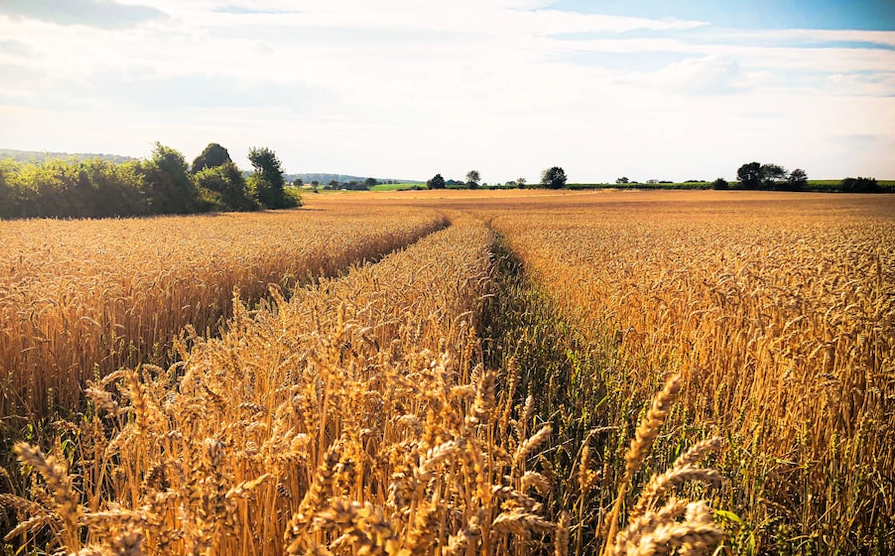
(640, 446)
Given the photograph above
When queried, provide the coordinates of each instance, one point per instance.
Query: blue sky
(754, 14)
(409, 88)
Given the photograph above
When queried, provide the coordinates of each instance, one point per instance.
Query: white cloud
(104, 14)
(413, 88)
(701, 76)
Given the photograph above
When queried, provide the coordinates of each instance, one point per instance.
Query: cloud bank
(410, 89)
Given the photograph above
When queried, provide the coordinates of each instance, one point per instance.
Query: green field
(397, 186)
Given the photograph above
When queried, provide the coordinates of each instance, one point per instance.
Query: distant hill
(37, 156)
(308, 177)
(324, 179)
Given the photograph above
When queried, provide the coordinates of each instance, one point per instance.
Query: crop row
(329, 419)
(357, 417)
(80, 299)
(782, 320)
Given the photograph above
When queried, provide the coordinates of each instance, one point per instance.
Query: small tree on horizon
(437, 182)
(749, 175)
(771, 174)
(797, 180)
(473, 178)
(520, 183)
(553, 178)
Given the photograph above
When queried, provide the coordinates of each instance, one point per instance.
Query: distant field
(397, 186)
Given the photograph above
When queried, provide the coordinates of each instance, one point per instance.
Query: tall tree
(228, 184)
(437, 182)
(797, 180)
(267, 182)
(473, 178)
(771, 174)
(749, 175)
(553, 178)
(168, 184)
(213, 156)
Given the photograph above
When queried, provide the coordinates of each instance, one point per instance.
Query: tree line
(750, 176)
(162, 184)
(551, 178)
(773, 177)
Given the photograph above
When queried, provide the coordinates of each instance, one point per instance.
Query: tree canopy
(473, 178)
(267, 183)
(437, 182)
(213, 156)
(749, 175)
(553, 178)
(754, 175)
(227, 187)
(798, 179)
(161, 184)
(168, 183)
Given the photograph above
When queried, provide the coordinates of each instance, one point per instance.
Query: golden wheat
(360, 414)
(79, 299)
(779, 310)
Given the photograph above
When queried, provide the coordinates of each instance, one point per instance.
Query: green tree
(228, 186)
(771, 174)
(371, 182)
(622, 180)
(553, 178)
(167, 182)
(213, 156)
(102, 188)
(797, 180)
(9, 203)
(749, 175)
(267, 183)
(720, 183)
(520, 183)
(860, 185)
(473, 178)
(437, 182)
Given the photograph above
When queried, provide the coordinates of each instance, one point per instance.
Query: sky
(665, 89)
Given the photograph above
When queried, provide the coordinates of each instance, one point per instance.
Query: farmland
(79, 299)
(476, 391)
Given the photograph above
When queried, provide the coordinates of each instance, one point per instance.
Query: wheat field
(545, 374)
(80, 299)
(782, 319)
